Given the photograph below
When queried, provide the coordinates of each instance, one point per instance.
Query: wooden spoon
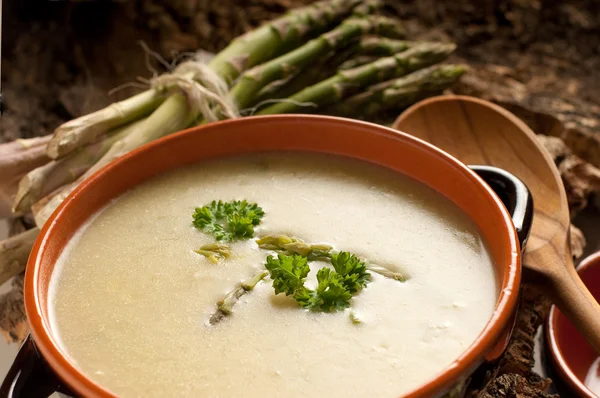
(479, 132)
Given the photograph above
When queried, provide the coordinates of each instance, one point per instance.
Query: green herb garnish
(228, 221)
(335, 287)
(288, 272)
(352, 270)
(331, 294)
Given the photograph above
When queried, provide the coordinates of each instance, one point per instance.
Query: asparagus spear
(368, 7)
(278, 36)
(22, 155)
(43, 209)
(370, 48)
(289, 245)
(251, 49)
(252, 81)
(173, 115)
(357, 61)
(366, 46)
(45, 179)
(322, 69)
(16, 159)
(382, 46)
(327, 66)
(225, 305)
(345, 83)
(79, 132)
(14, 253)
(400, 93)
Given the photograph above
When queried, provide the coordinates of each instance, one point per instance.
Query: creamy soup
(131, 300)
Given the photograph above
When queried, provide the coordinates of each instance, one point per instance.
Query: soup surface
(131, 300)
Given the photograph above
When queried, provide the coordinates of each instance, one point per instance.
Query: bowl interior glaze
(376, 144)
(570, 353)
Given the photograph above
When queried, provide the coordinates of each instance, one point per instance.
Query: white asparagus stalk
(14, 253)
(22, 155)
(174, 114)
(45, 179)
(17, 158)
(89, 128)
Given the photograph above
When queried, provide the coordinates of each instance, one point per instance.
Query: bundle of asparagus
(332, 57)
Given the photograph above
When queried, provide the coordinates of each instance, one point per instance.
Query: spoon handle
(575, 301)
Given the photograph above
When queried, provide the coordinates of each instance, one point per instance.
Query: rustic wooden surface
(538, 58)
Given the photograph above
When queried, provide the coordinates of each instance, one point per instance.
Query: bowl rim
(561, 365)
(488, 338)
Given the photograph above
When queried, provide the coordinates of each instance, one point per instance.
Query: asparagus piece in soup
(214, 251)
(225, 305)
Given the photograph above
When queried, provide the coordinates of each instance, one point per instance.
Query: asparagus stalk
(45, 179)
(225, 305)
(370, 48)
(400, 93)
(173, 115)
(289, 245)
(14, 253)
(382, 46)
(246, 51)
(322, 69)
(16, 159)
(357, 61)
(357, 55)
(22, 155)
(87, 129)
(366, 46)
(43, 209)
(327, 66)
(368, 7)
(345, 83)
(252, 81)
(279, 36)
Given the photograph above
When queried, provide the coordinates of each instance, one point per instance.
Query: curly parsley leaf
(288, 273)
(305, 297)
(228, 221)
(335, 287)
(331, 293)
(352, 270)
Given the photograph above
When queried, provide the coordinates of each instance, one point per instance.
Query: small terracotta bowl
(570, 355)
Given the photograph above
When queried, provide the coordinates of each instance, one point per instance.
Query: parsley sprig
(335, 287)
(352, 270)
(228, 221)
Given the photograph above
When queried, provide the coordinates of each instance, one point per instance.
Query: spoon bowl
(479, 132)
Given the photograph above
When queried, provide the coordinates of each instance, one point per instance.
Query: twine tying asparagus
(203, 88)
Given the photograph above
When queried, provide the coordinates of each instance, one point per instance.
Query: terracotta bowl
(369, 142)
(570, 355)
